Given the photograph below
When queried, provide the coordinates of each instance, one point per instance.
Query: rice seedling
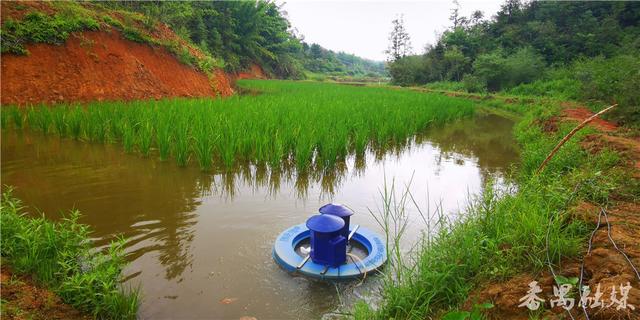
(145, 136)
(3, 119)
(204, 140)
(164, 136)
(308, 124)
(181, 143)
(59, 120)
(74, 121)
(17, 116)
(128, 137)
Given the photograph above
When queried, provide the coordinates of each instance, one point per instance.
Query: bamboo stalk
(570, 134)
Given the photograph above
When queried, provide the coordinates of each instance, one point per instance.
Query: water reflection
(200, 237)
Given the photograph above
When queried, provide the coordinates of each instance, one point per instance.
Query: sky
(362, 27)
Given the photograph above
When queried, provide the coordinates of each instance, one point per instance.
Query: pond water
(200, 243)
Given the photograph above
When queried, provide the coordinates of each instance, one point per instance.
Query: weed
(59, 255)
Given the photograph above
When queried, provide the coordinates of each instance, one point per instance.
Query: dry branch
(570, 134)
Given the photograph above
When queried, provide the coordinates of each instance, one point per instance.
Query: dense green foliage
(320, 60)
(579, 50)
(238, 32)
(40, 27)
(59, 255)
(613, 80)
(295, 123)
(501, 233)
(250, 32)
(537, 33)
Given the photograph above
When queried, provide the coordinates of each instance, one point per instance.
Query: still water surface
(199, 238)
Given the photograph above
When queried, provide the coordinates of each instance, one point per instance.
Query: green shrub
(37, 27)
(135, 35)
(564, 88)
(474, 83)
(613, 80)
(446, 85)
(113, 22)
(501, 72)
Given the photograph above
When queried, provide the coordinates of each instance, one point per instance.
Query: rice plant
(307, 124)
(128, 137)
(18, 117)
(204, 139)
(181, 143)
(74, 121)
(145, 136)
(164, 136)
(59, 121)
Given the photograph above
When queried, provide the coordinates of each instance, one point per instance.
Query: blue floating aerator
(328, 245)
(340, 211)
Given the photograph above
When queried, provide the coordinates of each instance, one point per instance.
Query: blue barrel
(328, 246)
(340, 211)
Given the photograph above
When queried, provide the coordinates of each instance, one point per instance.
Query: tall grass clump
(501, 233)
(58, 255)
(310, 124)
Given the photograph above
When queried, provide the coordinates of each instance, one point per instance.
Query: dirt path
(21, 299)
(604, 266)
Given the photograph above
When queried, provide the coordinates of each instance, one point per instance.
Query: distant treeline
(320, 60)
(580, 50)
(245, 32)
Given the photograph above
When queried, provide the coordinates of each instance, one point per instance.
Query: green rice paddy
(302, 124)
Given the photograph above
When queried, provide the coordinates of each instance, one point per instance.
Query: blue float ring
(285, 255)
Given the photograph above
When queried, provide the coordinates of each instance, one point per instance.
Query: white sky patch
(362, 27)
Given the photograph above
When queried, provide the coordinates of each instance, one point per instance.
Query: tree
(400, 42)
(455, 17)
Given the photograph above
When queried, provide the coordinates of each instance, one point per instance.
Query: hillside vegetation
(572, 50)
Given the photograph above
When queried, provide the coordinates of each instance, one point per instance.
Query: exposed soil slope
(101, 65)
(24, 300)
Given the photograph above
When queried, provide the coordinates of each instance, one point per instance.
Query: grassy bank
(296, 123)
(502, 234)
(58, 255)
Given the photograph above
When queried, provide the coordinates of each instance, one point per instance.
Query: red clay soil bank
(22, 299)
(100, 66)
